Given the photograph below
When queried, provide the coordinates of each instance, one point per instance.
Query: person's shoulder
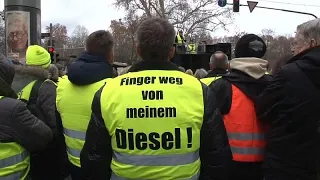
(10, 104)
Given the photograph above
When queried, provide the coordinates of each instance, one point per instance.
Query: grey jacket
(47, 93)
(17, 124)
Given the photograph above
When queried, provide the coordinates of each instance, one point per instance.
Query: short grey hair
(200, 73)
(155, 38)
(217, 62)
(310, 30)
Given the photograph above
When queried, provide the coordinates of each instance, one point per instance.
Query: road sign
(222, 3)
(43, 35)
(252, 5)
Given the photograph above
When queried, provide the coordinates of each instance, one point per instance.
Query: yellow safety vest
(192, 48)
(74, 105)
(180, 41)
(14, 161)
(207, 81)
(154, 118)
(25, 93)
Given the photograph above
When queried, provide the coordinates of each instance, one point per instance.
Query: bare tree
(78, 37)
(189, 15)
(60, 34)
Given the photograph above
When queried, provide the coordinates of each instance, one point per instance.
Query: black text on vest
(154, 141)
(127, 81)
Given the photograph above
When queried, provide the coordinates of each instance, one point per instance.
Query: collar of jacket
(217, 72)
(312, 54)
(153, 65)
(34, 71)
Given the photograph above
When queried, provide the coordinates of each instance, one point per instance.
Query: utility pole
(50, 30)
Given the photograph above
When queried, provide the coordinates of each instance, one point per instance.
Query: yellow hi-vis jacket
(14, 161)
(154, 119)
(207, 81)
(192, 48)
(180, 41)
(74, 105)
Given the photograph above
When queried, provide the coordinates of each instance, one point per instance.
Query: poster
(18, 33)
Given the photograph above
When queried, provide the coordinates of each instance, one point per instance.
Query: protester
(109, 153)
(85, 76)
(200, 73)
(219, 64)
(182, 69)
(32, 83)
(290, 105)
(189, 71)
(20, 131)
(236, 94)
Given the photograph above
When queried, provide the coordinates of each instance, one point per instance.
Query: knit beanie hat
(250, 45)
(38, 56)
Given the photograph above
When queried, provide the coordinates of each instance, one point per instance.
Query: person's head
(189, 71)
(155, 38)
(17, 31)
(219, 60)
(200, 73)
(181, 33)
(6, 77)
(38, 56)
(250, 45)
(101, 42)
(182, 69)
(280, 62)
(307, 36)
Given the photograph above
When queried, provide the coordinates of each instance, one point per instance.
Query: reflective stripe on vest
(25, 93)
(115, 177)
(207, 81)
(14, 161)
(153, 136)
(245, 132)
(179, 39)
(74, 105)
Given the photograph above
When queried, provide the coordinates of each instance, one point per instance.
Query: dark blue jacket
(89, 68)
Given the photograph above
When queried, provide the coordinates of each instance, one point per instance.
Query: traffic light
(51, 52)
(236, 5)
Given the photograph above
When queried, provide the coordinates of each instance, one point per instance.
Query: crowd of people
(155, 120)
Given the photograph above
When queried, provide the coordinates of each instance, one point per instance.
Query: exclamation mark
(189, 134)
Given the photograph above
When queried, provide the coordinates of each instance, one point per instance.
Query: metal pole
(50, 34)
(285, 10)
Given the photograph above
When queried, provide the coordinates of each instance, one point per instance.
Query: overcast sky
(97, 14)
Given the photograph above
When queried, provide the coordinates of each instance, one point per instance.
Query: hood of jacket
(309, 62)
(249, 75)
(254, 67)
(89, 68)
(26, 74)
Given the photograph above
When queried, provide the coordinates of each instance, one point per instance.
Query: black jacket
(17, 124)
(50, 163)
(216, 72)
(290, 105)
(215, 152)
